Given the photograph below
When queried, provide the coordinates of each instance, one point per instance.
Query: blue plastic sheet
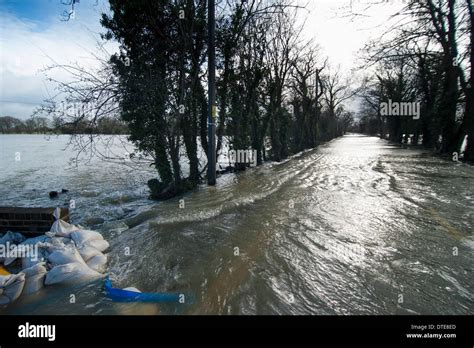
(121, 295)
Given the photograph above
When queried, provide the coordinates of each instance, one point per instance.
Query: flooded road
(356, 226)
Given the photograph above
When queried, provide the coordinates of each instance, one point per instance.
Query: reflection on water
(343, 229)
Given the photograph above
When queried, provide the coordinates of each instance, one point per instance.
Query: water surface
(356, 226)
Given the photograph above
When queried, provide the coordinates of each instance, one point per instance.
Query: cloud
(35, 37)
(27, 47)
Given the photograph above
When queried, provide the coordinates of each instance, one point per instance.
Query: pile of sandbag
(11, 287)
(81, 246)
(67, 254)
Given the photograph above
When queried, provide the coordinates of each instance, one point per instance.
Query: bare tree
(337, 90)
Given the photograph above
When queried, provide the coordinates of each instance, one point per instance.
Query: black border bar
(243, 330)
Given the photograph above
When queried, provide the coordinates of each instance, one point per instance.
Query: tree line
(42, 125)
(12, 125)
(276, 94)
(427, 58)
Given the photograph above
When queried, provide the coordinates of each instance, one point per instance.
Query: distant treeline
(41, 125)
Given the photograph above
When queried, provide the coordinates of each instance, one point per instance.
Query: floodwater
(356, 226)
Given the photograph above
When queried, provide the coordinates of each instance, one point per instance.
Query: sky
(33, 37)
(342, 37)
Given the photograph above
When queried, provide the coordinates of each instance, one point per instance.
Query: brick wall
(29, 220)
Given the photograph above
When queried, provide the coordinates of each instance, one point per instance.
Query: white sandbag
(99, 244)
(53, 236)
(11, 279)
(45, 245)
(27, 250)
(12, 237)
(13, 286)
(34, 278)
(54, 244)
(64, 256)
(8, 240)
(82, 236)
(70, 273)
(63, 229)
(27, 262)
(43, 238)
(62, 240)
(98, 263)
(34, 284)
(88, 252)
(41, 244)
(9, 260)
(39, 268)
